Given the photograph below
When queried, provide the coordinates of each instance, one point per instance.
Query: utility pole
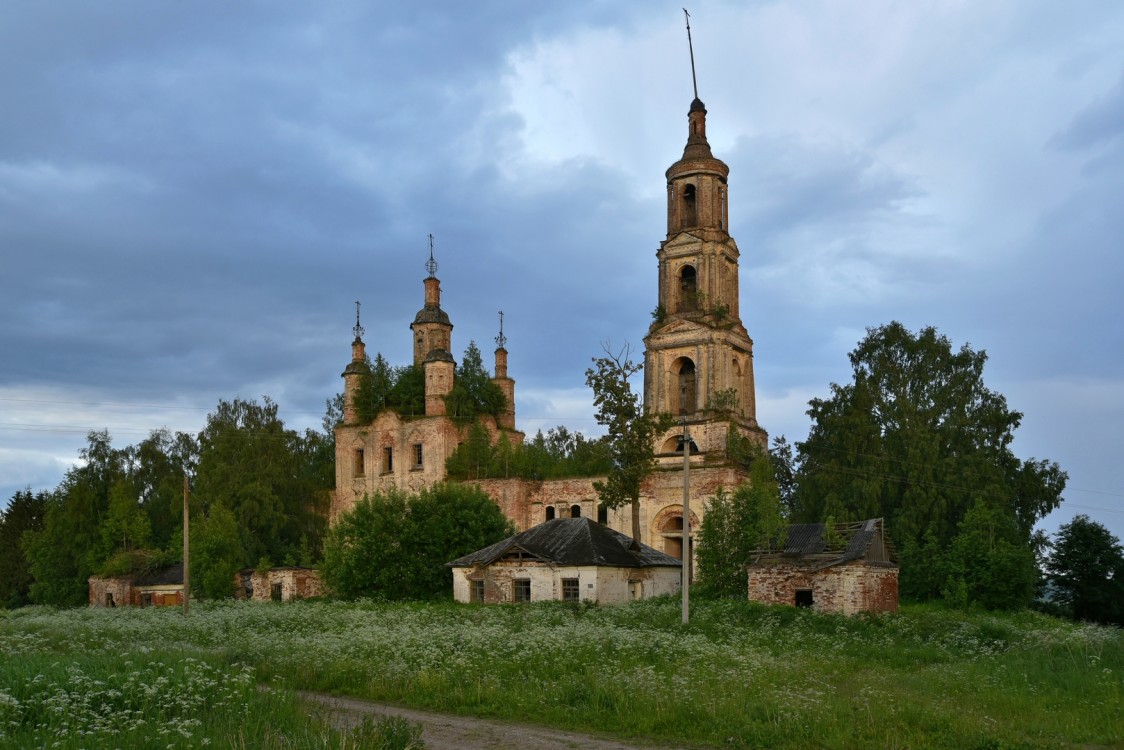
(686, 519)
(186, 537)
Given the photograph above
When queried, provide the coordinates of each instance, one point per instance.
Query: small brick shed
(849, 568)
(161, 588)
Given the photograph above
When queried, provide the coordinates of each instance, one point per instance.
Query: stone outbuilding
(566, 559)
(277, 584)
(161, 588)
(847, 568)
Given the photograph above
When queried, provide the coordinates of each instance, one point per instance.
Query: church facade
(698, 367)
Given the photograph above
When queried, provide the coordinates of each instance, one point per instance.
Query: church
(698, 367)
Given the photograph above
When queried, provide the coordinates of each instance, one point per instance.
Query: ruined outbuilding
(567, 559)
(161, 588)
(277, 584)
(845, 568)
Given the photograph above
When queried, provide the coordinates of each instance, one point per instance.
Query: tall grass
(740, 675)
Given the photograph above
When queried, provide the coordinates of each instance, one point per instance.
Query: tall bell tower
(698, 357)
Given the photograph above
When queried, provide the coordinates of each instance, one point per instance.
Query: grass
(739, 676)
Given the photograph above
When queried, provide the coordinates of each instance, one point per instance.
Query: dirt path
(449, 732)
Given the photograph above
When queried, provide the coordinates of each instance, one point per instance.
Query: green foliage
(558, 454)
(989, 562)
(25, 513)
(1086, 572)
(395, 545)
(70, 548)
(273, 480)
(737, 524)
(659, 314)
(915, 439)
(784, 472)
(216, 553)
(473, 392)
(138, 561)
(739, 676)
(631, 431)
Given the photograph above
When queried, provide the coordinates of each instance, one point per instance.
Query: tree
(989, 562)
(216, 553)
(474, 393)
(395, 545)
(917, 439)
(24, 514)
(1086, 571)
(737, 523)
(632, 433)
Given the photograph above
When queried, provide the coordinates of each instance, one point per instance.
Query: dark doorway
(803, 597)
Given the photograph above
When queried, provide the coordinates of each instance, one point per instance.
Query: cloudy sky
(193, 195)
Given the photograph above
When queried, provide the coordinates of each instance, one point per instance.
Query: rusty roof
(571, 542)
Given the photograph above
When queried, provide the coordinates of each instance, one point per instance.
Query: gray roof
(571, 542)
(854, 541)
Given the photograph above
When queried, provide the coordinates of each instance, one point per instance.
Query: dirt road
(448, 732)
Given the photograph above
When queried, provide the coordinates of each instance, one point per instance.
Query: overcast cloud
(193, 195)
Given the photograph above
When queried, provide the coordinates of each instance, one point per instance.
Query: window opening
(109, 600)
(521, 589)
(388, 459)
(418, 456)
(146, 600)
(804, 597)
(550, 512)
(575, 511)
(476, 590)
(687, 392)
(688, 289)
(570, 590)
(602, 515)
(360, 464)
(690, 210)
(275, 592)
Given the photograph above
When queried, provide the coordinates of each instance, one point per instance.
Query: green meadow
(739, 676)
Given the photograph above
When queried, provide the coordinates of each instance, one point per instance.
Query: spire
(358, 329)
(691, 47)
(501, 340)
(431, 264)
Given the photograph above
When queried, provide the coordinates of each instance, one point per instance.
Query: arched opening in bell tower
(688, 289)
(690, 207)
(686, 393)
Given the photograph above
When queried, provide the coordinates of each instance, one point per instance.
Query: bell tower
(698, 357)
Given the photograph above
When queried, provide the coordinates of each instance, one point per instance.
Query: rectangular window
(521, 589)
(476, 590)
(387, 459)
(804, 598)
(417, 455)
(571, 592)
(360, 464)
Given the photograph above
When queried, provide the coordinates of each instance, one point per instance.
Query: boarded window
(476, 590)
(803, 597)
(521, 589)
(570, 590)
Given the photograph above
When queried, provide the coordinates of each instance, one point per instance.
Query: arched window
(685, 382)
(690, 209)
(688, 289)
(575, 511)
(550, 512)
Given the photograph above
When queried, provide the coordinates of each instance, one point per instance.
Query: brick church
(698, 362)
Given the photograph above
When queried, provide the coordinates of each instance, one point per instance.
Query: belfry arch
(685, 384)
(688, 289)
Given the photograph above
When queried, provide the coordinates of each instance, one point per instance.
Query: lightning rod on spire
(358, 329)
(691, 47)
(501, 339)
(431, 264)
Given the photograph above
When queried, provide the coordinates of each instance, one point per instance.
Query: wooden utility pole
(686, 520)
(186, 546)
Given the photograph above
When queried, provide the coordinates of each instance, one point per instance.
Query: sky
(194, 195)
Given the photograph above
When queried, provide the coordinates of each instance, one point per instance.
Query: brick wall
(847, 589)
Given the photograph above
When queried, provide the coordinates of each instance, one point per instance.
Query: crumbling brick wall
(846, 589)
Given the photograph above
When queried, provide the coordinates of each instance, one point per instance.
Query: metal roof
(572, 542)
(851, 541)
